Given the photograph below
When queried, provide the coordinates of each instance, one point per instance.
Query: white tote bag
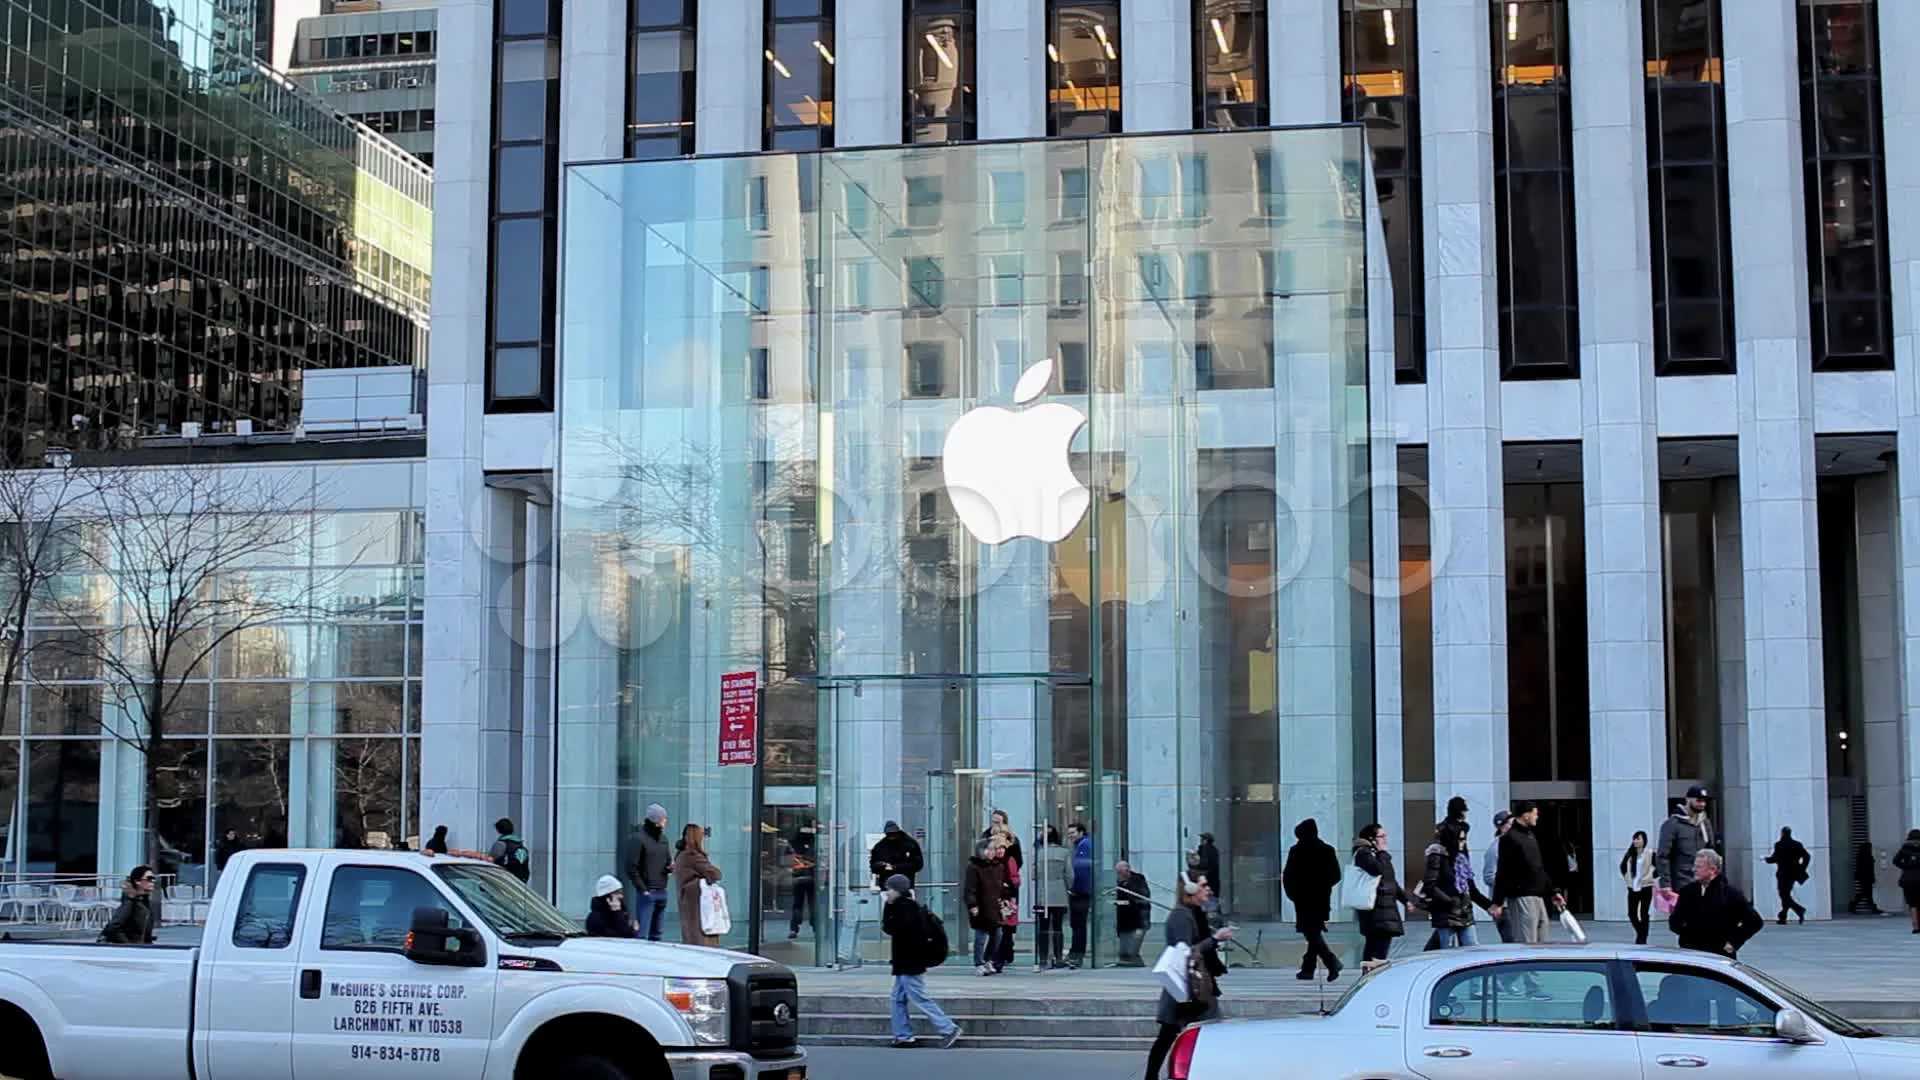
(1171, 970)
(1359, 889)
(715, 920)
(1572, 926)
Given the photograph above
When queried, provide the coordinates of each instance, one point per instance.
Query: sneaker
(951, 1037)
(905, 1044)
(983, 969)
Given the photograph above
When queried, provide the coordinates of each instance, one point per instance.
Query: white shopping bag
(1572, 926)
(715, 920)
(1171, 970)
(1359, 889)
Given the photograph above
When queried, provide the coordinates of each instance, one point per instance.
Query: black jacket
(1132, 904)
(896, 853)
(1309, 876)
(1714, 917)
(132, 922)
(1188, 926)
(1790, 861)
(652, 859)
(906, 924)
(1522, 871)
(982, 888)
(1385, 918)
(1450, 909)
(1907, 859)
(603, 921)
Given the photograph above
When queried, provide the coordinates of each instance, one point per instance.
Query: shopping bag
(1572, 926)
(715, 919)
(1171, 970)
(1664, 899)
(1359, 889)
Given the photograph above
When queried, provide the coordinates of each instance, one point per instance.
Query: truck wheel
(590, 1067)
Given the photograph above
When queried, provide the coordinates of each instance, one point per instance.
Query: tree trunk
(150, 766)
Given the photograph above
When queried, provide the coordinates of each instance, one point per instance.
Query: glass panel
(258, 708)
(940, 72)
(252, 787)
(1083, 50)
(1230, 60)
(179, 808)
(1533, 189)
(12, 835)
(366, 784)
(1380, 54)
(62, 806)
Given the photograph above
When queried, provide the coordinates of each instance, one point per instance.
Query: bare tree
(35, 548)
(181, 552)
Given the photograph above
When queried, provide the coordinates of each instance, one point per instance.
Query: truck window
(370, 908)
(264, 919)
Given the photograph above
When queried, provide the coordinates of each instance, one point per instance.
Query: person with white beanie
(607, 915)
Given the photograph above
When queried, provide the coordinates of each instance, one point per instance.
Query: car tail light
(1180, 1063)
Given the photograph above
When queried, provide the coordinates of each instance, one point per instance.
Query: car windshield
(514, 911)
(1364, 979)
(1820, 1014)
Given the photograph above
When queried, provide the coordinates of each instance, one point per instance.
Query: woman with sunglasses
(134, 921)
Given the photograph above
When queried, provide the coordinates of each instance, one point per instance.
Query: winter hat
(890, 827)
(606, 886)
(656, 813)
(899, 885)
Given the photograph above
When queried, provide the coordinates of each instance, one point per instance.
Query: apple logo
(1007, 471)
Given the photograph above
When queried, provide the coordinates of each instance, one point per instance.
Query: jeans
(650, 913)
(1317, 951)
(1639, 913)
(1130, 941)
(1050, 936)
(913, 989)
(1450, 938)
(1079, 906)
(986, 946)
(803, 900)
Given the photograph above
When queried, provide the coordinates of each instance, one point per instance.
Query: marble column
(1303, 62)
(1010, 37)
(1620, 462)
(593, 83)
(1156, 65)
(1470, 755)
(1786, 708)
(869, 72)
(729, 69)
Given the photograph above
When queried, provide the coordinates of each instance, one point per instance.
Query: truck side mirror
(432, 940)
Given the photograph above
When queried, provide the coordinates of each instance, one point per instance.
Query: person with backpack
(510, 851)
(919, 942)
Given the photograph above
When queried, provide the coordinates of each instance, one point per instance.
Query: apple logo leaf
(1033, 382)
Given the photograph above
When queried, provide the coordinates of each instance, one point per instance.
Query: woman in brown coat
(691, 867)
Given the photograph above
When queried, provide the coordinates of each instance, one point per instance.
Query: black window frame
(1619, 982)
(818, 15)
(1212, 115)
(541, 346)
(246, 894)
(1505, 173)
(962, 121)
(642, 25)
(1062, 119)
(1395, 168)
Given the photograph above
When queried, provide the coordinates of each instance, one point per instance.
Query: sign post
(739, 718)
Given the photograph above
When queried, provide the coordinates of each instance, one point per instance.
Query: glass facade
(301, 734)
(188, 232)
(1380, 77)
(1533, 190)
(937, 445)
(941, 103)
(526, 169)
(1687, 188)
(1230, 64)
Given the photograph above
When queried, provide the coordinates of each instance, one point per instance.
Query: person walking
(1523, 887)
(510, 851)
(652, 866)
(983, 889)
(437, 843)
(1451, 892)
(1790, 861)
(1636, 872)
(1711, 915)
(134, 921)
(1865, 870)
(1308, 877)
(691, 869)
(1080, 895)
(1052, 883)
(1682, 836)
(905, 922)
(1907, 859)
(1490, 865)
(1132, 912)
(1188, 925)
(1384, 921)
(607, 913)
(895, 853)
(800, 865)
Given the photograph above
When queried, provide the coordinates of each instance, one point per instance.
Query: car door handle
(1447, 1052)
(1681, 1061)
(310, 984)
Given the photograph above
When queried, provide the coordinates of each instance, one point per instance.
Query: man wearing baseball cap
(1686, 834)
(1502, 821)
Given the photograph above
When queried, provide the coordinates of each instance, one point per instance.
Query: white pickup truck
(391, 964)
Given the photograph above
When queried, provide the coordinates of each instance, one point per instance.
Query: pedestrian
(1384, 921)
(1080, 894)
(998, 826)
(1523, 888)
(1451, 892)
(510, 851)
(607, 914)
(652, 865)
(1490, 866)
(800, 864)
(134, 921)
(1009, 913)
(905, 921)
(1908, 860)
(1209, 870)
(983, 890)
(1132, 912)
(691, 868)
(1790, 860)
(437, 843)
(1053, 881)
(895, 853)
(1865, 870)
(1636, 872)
(1188, 925)
(1308, 877)
(1687, 833)
(1711, 915)
(1457, 808)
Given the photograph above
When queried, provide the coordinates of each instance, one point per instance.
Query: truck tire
(590, 1067)
(23, 1053)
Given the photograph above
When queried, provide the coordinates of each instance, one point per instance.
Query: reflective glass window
(1533, 190)
(1687, 187)
(1379, 51)
(1230, 63)
(660, 80)
(941, 101)
(1083, 67)
(799, 74)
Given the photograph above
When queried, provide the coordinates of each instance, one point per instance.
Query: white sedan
(1585, 1012)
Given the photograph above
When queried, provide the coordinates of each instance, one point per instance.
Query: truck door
(246, 1017)
(363, 1009)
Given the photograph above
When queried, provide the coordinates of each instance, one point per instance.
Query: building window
(1229, 64)
(941, 106)
(1533, 190)
(1687, 187)
(1847, 277)
(660, 50)
(1083, 69)
(799, 77)
(526, 128)
(1380, 88)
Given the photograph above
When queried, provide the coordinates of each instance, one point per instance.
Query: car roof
(1568, 950)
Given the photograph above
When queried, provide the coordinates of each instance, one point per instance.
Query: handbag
(1572, 926)
(1359, 889)
(715, 919)
(1172, 970)
(1202, 989)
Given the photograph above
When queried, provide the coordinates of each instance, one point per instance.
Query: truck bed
(147, 1015)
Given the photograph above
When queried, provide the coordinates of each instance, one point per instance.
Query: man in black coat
(905, 921)
(1790, 861)
(896, 853)
(1711, 915)
(1522, 884)
(1311, 873)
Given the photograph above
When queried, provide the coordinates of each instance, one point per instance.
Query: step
(1087, 1027)
(1046, 1009)
(970, 1041)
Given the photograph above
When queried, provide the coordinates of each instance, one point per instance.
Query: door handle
(1681, 1061)
(310, 984)
(1447, 1052)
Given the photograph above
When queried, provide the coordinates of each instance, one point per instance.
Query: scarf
(1462, 874)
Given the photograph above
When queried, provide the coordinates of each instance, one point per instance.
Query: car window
(1697, 1002)
(264, 917)
(370, 908)
(1535, 993)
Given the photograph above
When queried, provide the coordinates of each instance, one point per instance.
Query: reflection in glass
(1230, 63)
(1547, 632)
(12, 834)
(62, 806)
(799, 76)
(1840, 128)
(252, 708)
(252, 791)
(1083, 67)
(1533, 190)
(1693, 675)
(366, 791)
(1416, 628)
(941, 103)
(660, 80)
(1687, 185)
(179, 805)
(1379, 51)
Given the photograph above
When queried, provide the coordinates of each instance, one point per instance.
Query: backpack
(513, 856)
(938, 947)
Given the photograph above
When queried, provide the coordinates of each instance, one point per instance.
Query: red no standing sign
(739, 717)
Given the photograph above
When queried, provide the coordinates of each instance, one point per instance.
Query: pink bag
(1664, 899)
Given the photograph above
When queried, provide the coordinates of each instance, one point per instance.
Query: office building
(374, 61)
